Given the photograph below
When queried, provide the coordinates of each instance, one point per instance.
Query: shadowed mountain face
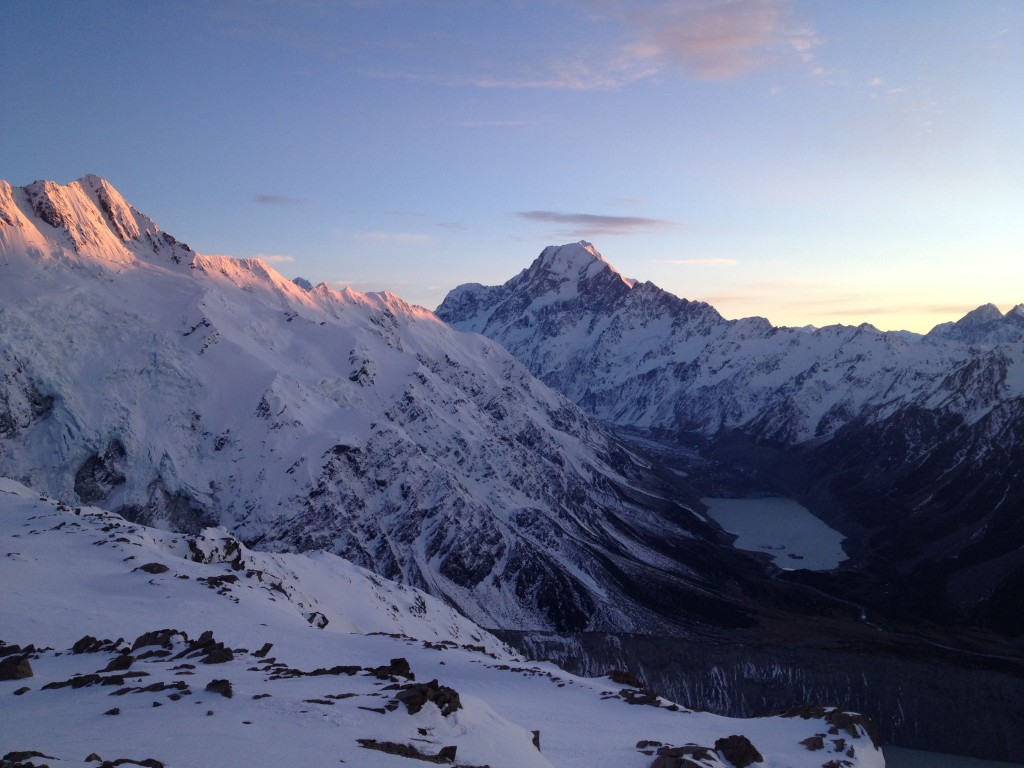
(914, 443)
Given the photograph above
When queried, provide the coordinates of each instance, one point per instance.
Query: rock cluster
(415, 695)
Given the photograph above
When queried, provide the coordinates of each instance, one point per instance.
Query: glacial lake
(779, 527)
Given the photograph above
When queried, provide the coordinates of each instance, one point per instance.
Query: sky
(810, 162)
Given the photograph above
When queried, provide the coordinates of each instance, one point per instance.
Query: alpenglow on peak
(576, 261)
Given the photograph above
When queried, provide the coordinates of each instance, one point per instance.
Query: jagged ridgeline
(184, 390)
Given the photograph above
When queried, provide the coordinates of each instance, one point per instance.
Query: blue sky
(812, 162)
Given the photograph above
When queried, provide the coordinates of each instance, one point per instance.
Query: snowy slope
(186, 390)
(112, 618)
(921, 436)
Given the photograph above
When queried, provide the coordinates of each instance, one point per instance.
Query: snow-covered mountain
(132, 645)
(185, 390)
(636, 355)
(922, 436)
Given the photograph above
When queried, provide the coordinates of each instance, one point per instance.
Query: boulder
(161, 637)
(621, 677)
(685, 756)
(119, 663)
(16, 650)
(397, 668)
(415, 696)
(223, 687)
(262, 652)
(738, 750)
(15, 668)
(90, 644)
(153, 568)
(814, 743)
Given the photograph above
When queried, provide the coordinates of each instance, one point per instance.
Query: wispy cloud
(697, 262)
(823, 302)
(865, 305)
(699, 39)
(265, 199)
(622, 42)
(590, 224)
(393, 238)
(719, 39)
(274, 258)
(583, 72)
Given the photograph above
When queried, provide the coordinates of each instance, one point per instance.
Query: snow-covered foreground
(782, 528)
(333, 687)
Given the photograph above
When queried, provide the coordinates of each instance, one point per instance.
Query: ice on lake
(782, 528)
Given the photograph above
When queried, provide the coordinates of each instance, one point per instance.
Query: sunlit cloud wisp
(721, 39)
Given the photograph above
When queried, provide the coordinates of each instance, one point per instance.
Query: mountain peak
(571, 257)
(983, 314)
(575, 261)
(84, 220)
(984, 325)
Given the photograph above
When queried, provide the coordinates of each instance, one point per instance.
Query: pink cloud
(720, 39)
(274, 258)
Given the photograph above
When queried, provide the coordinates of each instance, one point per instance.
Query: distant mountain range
(915, 442)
